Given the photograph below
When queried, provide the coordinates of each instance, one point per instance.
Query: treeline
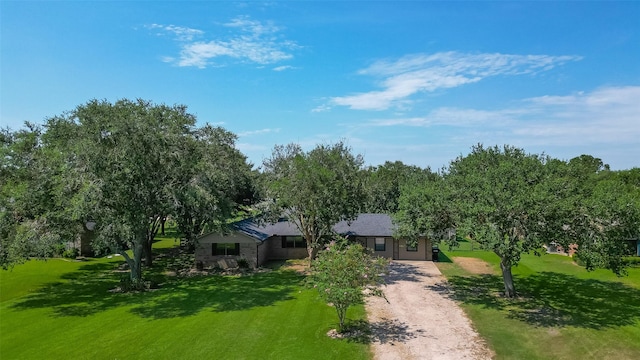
(129, 165)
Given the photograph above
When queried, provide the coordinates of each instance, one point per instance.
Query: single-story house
(259, 243)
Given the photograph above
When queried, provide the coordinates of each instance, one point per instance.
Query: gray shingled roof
(367, 225)
(363, 225)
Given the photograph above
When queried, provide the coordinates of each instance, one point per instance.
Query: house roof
(363, 225)
(264, 231)
(367, 225)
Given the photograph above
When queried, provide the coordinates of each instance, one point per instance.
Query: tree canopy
(314, 190)
(383, 185)
(512, 203)
(124, 165)
(425, 208)
(213, 179)
(499, 197)
(30, 195)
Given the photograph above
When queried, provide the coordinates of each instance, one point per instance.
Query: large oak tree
(500, 197)
(125, 152)
(314, 190)
(125, 165)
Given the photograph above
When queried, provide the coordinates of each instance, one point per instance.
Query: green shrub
(59, 249)
(71, 253)
(243, 263)
(632, 261)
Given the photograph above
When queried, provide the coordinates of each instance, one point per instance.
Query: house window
(225, 249)
(380, 244)
(412, 248)
(296, 242)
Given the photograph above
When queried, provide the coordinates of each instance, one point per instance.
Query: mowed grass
(62, 309)
(563, 312)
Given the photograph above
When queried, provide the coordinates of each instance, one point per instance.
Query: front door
(396, 249)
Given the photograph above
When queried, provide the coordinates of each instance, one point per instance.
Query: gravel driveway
(420, 321)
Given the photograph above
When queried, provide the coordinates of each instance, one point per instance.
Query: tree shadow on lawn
(89, 291)
(550, 299)
(219, 294)
(443, 258)
(85, 292)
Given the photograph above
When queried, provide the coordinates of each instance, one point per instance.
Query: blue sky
(419, 82)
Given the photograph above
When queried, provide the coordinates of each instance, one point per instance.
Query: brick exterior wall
(275, 251)
(248, 250)
(424, 248)
(369, 242)
(257, 253)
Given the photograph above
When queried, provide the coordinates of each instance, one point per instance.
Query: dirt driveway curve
(420, 321)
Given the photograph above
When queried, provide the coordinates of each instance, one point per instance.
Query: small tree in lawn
(345, 273)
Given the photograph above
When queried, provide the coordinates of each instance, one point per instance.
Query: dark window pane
(293, 242)
(226, 249)
(290, 242)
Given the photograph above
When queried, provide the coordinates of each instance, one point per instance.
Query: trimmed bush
(71, 253)
(243, 263)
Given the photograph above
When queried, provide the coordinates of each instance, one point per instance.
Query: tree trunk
(135, 264)
(342, 314)
(148, 254)
(197, 230)
(150, 235)
(509, 289)
(164, 220)
(136, 269)
(313, 252)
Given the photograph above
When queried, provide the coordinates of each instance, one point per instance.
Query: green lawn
(564, 312)
(62, 309)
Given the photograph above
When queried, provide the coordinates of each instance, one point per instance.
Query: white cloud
(180, 33)
(413, 74)
(321, 108)
(257, 132)
(253, 27)
(453, 117)
(283, 68)
(252, 41)
(605, 116)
